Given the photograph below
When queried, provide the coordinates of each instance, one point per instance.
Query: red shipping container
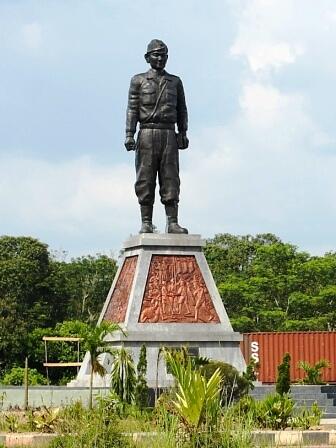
(269, 348)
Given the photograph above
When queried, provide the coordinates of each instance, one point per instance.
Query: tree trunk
(91, 386)
(26, 380)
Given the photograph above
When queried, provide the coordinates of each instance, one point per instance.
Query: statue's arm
(182, 116)
(132, 114)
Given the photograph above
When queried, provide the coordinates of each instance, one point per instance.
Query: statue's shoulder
(172, 77)
(138, 78)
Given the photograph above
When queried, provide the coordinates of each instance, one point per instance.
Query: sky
(259, 78)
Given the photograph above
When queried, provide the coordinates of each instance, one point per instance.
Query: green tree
(24, 294)
(84, 282)
(141, 388)
(231, 254)
(268, 285)
(283, 379)
(15, 377)
(57, 351)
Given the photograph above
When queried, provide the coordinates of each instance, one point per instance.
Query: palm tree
(93, 342)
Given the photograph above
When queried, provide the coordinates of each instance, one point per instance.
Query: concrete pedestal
(164, 295)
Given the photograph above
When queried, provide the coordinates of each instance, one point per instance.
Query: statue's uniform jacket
(156, 148)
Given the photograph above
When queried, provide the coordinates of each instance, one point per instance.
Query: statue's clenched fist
(182, 140)
(130, 144)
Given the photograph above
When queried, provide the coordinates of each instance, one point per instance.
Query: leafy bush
(233, 384)
(274, 411)
(283, 379)
(12, 422)
(277, 411)
(313, 372)
(307, 418)
(45, 419)
(15, 377)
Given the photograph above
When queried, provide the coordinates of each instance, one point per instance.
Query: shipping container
(268, 350)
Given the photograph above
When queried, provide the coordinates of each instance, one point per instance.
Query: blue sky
(259, 78)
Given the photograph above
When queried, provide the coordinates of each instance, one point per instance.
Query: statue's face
(157, 59)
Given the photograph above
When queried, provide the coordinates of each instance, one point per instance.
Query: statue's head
(157, 54)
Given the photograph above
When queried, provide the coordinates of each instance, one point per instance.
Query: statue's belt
(169, 126)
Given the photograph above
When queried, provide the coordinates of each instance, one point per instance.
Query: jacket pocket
(148, 96)
(171, 96)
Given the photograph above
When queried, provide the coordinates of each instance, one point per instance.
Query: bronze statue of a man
(156, 100)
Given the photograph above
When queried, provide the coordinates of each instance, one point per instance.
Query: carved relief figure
(176, 292)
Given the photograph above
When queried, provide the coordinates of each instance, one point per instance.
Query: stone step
(328, 389)
(300, 396)
(305, 396)
(330, 415)
(309, 402)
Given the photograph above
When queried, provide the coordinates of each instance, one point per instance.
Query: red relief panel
(117, 307)
(176, 292)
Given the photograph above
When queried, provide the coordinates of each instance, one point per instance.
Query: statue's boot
(146, 219)
(172, 224)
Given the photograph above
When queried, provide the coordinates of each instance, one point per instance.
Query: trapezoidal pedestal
(164, 295)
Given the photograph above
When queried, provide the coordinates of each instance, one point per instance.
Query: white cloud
(263, 56)
(263, 171)
(264, 105)
(79, 199)
(32, 35)
(262, 37)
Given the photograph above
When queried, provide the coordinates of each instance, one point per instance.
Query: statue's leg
(146, 168)
(169, 180)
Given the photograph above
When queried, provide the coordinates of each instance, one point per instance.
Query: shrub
(234, 385)
(251, 373)
(283, 379)
(307, 418)
(15, 377)
(313, 372)
(276, 411)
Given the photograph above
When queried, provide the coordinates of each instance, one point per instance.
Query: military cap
(156, 45)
